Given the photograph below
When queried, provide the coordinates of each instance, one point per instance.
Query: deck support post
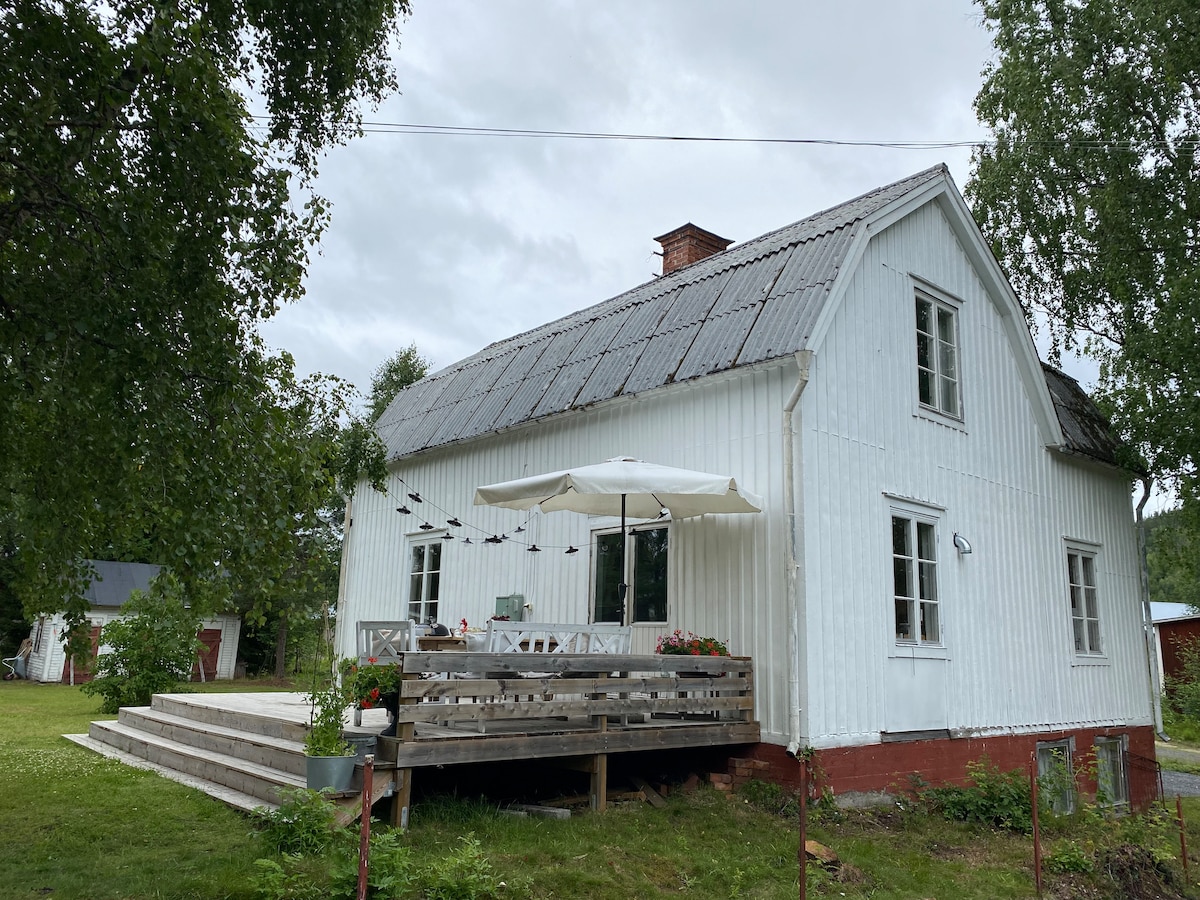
(405, 733)
(599, 783)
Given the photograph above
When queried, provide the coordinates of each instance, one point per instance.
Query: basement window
(1112, 773)
(1056, 775)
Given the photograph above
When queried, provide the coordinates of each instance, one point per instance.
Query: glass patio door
(644, 569)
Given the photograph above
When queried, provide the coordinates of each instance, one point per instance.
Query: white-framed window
(1085, 601)
(1112, 772)
(643, 570)
(424, 576)
(915, 578)
(1056, 774)
(937, 355)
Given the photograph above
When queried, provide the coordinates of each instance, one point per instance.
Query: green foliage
(994, 798)
(1089, 196)
(146, 229)
(1173, 557)
(398, 371)
(771, 797)
(392, 870)
(152, 650)
(1067, 856)
(327, 707)
(302, 825)
(465, 875)
(1183, 690)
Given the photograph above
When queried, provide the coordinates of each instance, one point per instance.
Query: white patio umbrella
(626, 487)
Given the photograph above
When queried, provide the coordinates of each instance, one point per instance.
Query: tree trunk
(281, 649)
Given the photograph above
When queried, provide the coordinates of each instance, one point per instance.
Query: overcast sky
(453, 242)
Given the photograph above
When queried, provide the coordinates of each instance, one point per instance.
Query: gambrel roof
(755, 302)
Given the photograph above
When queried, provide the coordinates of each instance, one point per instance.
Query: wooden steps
(242, 749)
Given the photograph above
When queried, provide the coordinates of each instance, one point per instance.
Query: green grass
(73, 825)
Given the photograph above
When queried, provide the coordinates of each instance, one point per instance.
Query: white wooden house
(946, 565)
(109, 589)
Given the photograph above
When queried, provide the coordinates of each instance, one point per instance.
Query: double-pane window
(425, 571)
(1085, 612)
(915, 580)
(937, 356)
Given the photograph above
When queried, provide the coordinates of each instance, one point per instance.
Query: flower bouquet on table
(679, 644)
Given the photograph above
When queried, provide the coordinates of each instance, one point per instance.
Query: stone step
(244, 776)
(264, 750)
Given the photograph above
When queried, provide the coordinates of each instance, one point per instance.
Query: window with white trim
(915, 579)
(1112, 774)
(937, 356)
(424, 576)
(1085, 605)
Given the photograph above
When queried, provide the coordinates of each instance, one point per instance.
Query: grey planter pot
(329, 772)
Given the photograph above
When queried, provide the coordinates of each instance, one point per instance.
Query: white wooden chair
(385, 642)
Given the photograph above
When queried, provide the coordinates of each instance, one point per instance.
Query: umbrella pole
(622, 587)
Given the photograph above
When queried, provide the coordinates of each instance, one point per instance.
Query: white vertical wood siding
(726, 573)
(1011, 664)
(1005, 612)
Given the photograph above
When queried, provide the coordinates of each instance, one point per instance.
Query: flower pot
(334, 773)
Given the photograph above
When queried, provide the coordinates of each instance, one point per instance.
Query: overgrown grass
(73, 825)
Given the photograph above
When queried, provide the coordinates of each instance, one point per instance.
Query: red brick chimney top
(688, 244)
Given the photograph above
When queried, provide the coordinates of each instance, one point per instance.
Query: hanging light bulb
(518, 530)
(533, 548)
(494, 539)
(447, 537)
(571, 550)
(504, 537)
(415, 497)
(454, 523)
(466, 540)
(425, 526)
(403, 510)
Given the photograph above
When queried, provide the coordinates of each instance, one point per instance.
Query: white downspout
(795, 597)
(1148, 616)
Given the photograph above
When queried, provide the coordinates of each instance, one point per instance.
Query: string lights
(455, 522)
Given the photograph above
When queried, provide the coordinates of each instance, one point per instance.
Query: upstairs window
(1085, 606)
(425, 573)
(937, 356)
(915, 580)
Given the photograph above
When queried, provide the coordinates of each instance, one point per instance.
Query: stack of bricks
(746, 769)
(721, 782)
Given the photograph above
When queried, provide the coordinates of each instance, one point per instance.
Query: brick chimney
(688, 244)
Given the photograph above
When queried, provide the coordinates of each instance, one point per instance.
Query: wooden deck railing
(545, 705)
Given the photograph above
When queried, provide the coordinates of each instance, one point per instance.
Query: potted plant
(679, 644)
(330, 757)
(372, 686)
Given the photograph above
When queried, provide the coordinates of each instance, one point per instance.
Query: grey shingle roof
(115, 581)
(754, 302)
(1085, 429)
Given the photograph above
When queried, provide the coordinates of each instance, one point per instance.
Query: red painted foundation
(887, 767)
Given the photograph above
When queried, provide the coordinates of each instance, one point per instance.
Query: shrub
(994, 798)
(465, 875)
(1068, 857)
(303, 825)
(152, 647)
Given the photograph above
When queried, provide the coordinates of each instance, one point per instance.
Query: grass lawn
(74, 825)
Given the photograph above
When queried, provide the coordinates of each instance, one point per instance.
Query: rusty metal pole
(803, 826)
(1037, 833)
(364, 835)
(1182, 833)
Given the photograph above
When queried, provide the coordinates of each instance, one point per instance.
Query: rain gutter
(1147, 615)
(792, 486)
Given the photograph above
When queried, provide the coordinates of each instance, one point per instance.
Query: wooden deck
(458, 708)
(455, 708)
